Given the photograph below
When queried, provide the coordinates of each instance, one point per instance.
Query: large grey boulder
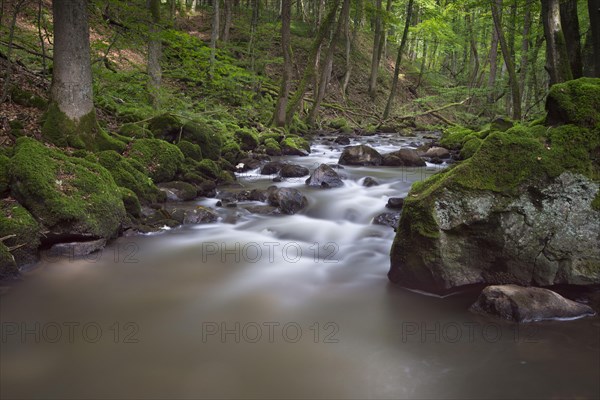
(288, 200)
(547, 235)
(360, 155)
(325, 177)
(527, 304)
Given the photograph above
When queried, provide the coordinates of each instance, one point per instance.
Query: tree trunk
(525, 47)
(594, 13)
(328, 65)
(570, 23)
(214, 35)
(376, 48)
(388, 106)
(71, 119)
(494, 59)
(309, 71)
(512, 75)
(279, 115)
(557, 59)
(154, 54)
(228, 17)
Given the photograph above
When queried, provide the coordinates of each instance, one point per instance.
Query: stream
(276, 307)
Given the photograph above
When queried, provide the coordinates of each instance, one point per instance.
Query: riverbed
(258, 306)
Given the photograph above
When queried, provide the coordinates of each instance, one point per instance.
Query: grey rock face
(360, 155)
(549, 234)
(527, 304)
(325, 177)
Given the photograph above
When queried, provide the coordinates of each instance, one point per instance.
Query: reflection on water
(274, 307)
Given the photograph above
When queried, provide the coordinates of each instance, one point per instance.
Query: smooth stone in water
(395, 203)
(288, 200)
(293, 171)
(390, 219)
(527, 304)
(77, 249)
(403, 158)
(325, 177)
(200, 215)
(360, 155)
(369, 182)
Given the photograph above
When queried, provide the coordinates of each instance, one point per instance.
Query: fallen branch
(25, 49)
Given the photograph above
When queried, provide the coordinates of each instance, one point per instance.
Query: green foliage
(161, 160)
(65, 193)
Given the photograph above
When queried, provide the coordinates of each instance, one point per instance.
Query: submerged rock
(271, 168)
(200, 215)
(288, 200)
(325, 177)
(369, 182)
(395, 203)
(77, 249)
(390, 219)
(360, 155)
(527, 304)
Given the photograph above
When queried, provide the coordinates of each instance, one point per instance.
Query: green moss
(296, 142)
(596, 202)
(60, 130)
(27, 99)
(247, 138)
(207, 136)
(470, 147)
(272, 148)
(454, 137)
(165, 126)
(4, 174)
(270, 134)
(131, 202)
(575, 102)
(232, 152)
(66, 194)
(135, 131)
(186, 190)
(16, 220)
(126, 175)
(208, 168)
(341, 124)
(160, 159)
(190, 150)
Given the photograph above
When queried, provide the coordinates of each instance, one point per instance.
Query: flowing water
(275, 307)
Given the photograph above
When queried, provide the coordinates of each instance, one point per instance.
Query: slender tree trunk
(525, 46)
(214, 35)
(557, 59)
(569, 20)
(17, 8)
(228, 17)
(514, 83)
(154, 53)
(594, 13)
(309, 71)
(390, 101)
(328, 65)
(317, 59)
(376, 48)
(279, 116)
(494, 60)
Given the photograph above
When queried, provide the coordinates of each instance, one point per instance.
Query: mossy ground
(160, 159)
(16, 220)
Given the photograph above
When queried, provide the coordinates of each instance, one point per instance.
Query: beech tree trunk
(388, 106)
(286, 11)
(72, 71)
(214, 35)
(376, 48)
(228, 17)
(557, 59)
(570, 23)
(154, 53)
(594, 13)
(512, 75)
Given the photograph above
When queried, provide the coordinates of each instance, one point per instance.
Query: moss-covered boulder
(295, 146)
(575, 102)
(22, 231)
(160, 159)
(272, 147)
(71, 197)
(8, 265)
(135, 131)
(232, 152)
(131, 202)
(207, 136)
(454, 137)
(190, 150)
(4, 176)
(127, 173)
(166, 127)
(470, 147)
(519, 210)
(179, 191)
(27, 99)
(247, 139)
